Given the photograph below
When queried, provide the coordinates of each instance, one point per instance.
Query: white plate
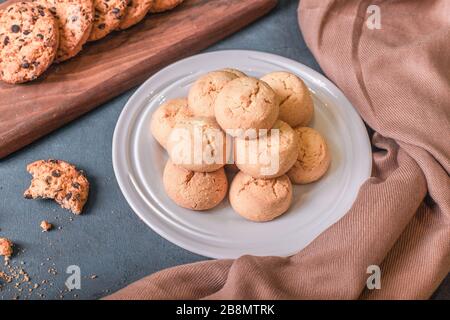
(220, 233)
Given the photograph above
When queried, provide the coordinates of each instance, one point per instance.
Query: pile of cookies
(35, 34)
(257, 129)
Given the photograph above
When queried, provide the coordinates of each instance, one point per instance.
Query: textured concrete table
(111, 246)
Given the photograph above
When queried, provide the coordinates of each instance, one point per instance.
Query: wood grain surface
(106, 68)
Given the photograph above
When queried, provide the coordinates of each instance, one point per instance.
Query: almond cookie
(164, 5)
(107, 17)
(270, 155)
(260, 200)
(246, 103)
(236, 72)
(137, 10)
(28, 42)
(166, 117)
(58, 180)
(198, 144)
(195, 190)
(314, 157)
(296, 104)
(75, 18)
(205, 90)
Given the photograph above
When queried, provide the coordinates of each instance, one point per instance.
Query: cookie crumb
(6, 248)
(52, 271)
(46, 226)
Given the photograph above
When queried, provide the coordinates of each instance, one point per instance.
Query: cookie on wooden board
(75, 18)
(164, 5)
(58, 180)
(107, 17)
(28, 42)
(137, 10)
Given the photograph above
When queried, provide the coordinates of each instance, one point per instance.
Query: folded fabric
(392, 61)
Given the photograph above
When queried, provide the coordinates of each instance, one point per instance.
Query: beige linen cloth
(398, 77)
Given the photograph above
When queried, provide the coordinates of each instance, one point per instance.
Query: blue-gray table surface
(109, 243)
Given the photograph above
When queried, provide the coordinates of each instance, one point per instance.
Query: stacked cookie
(257, 128)
(35, 34)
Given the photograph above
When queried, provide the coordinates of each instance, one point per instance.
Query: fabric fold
(398, 79)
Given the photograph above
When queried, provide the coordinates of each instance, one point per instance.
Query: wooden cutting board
(106, 68)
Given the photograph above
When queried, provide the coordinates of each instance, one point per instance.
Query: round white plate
(221, 233)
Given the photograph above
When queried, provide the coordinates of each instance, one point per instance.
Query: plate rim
(123, 119)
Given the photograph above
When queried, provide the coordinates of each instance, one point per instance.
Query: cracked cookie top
(204, 91)
(246, 103)
(273, 154)
(165, 118)
(313, 159)
(198, 144)
(195, 190)
(296, 104)
(260, 200)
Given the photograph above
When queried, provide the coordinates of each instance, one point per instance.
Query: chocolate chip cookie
(164, 5)
(28, 41)
(75, 19)
(137, 9)
(107, 17)
(58, 180)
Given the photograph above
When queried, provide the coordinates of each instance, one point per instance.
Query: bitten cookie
(28, 42)
(296, 104)
(198, 144)
(204, 91)
(137, 10)
(164, 5)
(75, 19)
(195, 190)
(246, 103)
(260, 200)
(166, 117)
(314, 158)
(58, 180)
(268, 156)
(108, 14)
